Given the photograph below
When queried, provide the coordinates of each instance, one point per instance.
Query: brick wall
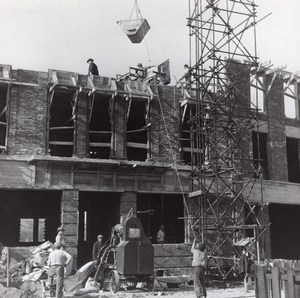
(82, 125)
(28, 114)
(69, 219)
(276, 147)
(119, 129)
(165, 125)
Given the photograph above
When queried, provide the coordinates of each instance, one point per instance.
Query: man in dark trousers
(93, 69)
(57, 261)
(199, 263)
(97, 247)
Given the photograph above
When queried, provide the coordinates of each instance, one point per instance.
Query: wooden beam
(61, 143)
(195, 193)
(99, 144)
(137, 145)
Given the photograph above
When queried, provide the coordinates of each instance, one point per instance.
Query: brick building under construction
(82, 151)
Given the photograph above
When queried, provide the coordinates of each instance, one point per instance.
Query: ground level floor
(30, 217)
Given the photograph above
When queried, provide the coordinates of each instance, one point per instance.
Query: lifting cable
(139, 16)
(174, 161)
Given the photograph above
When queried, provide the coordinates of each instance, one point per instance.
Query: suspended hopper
(135, 29)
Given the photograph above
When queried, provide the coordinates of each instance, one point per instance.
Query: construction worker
(160, 236)
(186, 76)
(246, 268)
(97, 247)
(60, 236)
(57, 261)
(141, 72)
(199, 263)
(93, 69)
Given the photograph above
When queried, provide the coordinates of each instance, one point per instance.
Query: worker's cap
(90, 59)
(100, 236)
(140, 65)
(185, 65)
(60, 229)
(201, 246)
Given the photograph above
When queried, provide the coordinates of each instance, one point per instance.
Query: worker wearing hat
(93, 69)
(60, 239)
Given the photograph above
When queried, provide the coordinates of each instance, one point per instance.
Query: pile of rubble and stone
(27, 271)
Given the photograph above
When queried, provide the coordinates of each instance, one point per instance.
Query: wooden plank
(60, 143)
(195, 193)
(261, 289)
(290, 291)
(99, 144)
(276, 292)
(137, 145)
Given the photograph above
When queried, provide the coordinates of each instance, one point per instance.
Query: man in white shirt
(60, 238)
(57, 261)
(199, 263)
(160, 237)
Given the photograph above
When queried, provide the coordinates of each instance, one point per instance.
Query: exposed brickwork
(28, 115)
(119, 129)
(69, 219)
(165, 125)
(82, 125)
(265, 240)
(276, 147)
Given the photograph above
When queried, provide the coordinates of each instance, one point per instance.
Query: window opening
(63, 104)
(41, 229)
(101, 109)
(26, 229)
(4, 96)
(290, 98)
(85, 226)
(32, 230)
(293, 151)
(191, 141)
(138, 128)
(257, 93)
(263, 162)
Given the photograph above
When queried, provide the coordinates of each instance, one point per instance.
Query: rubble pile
(25, 263)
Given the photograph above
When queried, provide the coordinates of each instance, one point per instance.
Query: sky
(62, 34)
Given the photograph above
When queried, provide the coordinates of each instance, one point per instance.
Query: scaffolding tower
(221, 110)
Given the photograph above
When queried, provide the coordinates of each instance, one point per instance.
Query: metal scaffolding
(222, 112)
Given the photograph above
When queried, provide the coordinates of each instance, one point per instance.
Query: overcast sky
(63, 34)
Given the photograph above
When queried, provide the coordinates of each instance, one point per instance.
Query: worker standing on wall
(93, 69)
(141, 72)
(97, 247)
(57, 261)
(186, 76)
(199, 264)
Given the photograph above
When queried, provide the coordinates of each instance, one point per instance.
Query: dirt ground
(234, 292)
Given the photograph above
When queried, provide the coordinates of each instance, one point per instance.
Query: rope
(174, 160)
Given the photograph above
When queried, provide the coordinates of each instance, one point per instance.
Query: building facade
(83, 151)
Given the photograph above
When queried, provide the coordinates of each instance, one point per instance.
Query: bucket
(135, 29)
